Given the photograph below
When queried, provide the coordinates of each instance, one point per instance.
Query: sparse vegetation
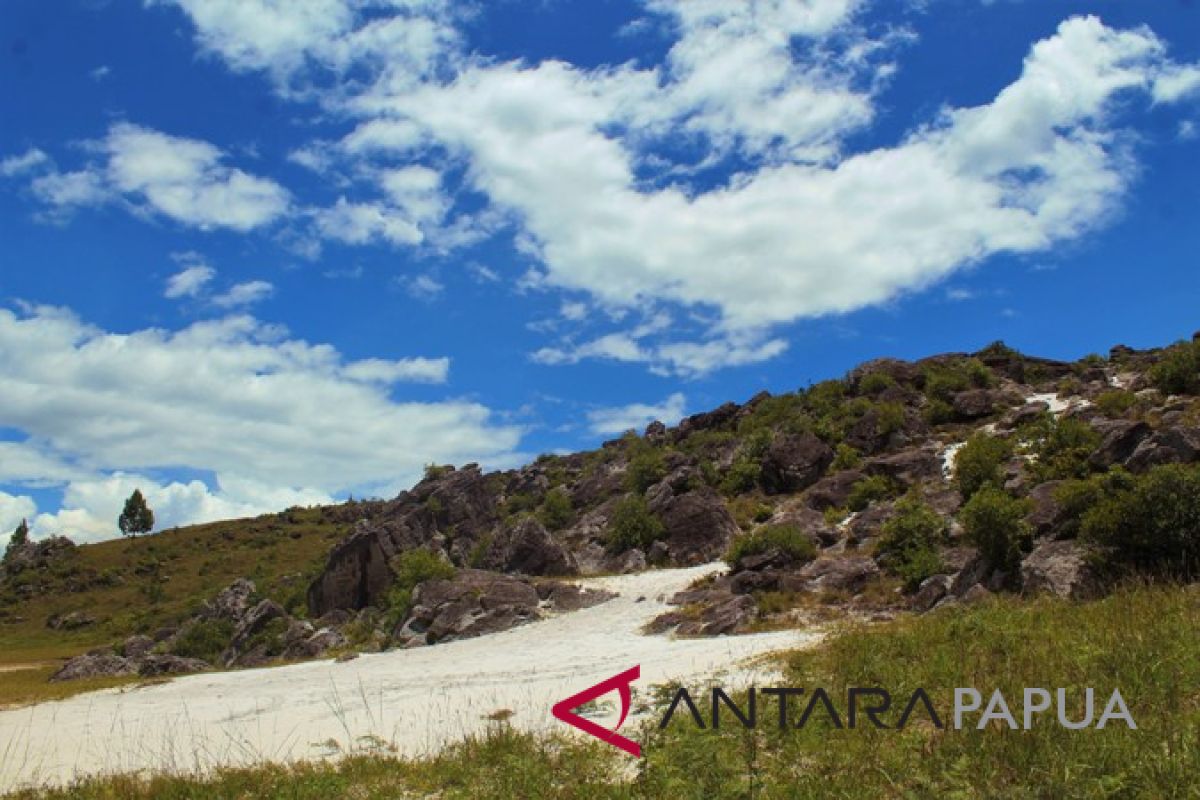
(1178, 370)
(995, 523)
(978, 463)
(413, 567)
(869, 490)
(1152, 524)
(556, 511)
(908, 545)
(787, 539)
(633, 525)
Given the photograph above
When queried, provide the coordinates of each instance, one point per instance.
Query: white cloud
(235, 397)
(606, 421)
(573, 311)
(184, 179)
(423, 287)
(1176, 82)
(1038, 165)
(587, 164)
(13, 509)
(100, 73)
(29, 464)
(418, 370)
(28, 161)
(189, 281)
(362, 223)
(958, 294)
(244, 294)
(66, 190)
(90, 508)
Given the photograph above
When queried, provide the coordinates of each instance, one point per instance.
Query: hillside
(903, 486)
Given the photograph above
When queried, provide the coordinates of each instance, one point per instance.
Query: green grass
(1141, 640)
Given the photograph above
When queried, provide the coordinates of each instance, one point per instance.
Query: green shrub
(1078, 496)
(1152, 525)
(943, 381)
(867, 490)
(413, 567)
(845, 457)
(435, 471)
(646, 468)
(909, 542)
(978, 463)
(995, 523)
(788, 539)
(205, 640)
(1061, 447)
(875, 382)
(742, 476)
(556, 510)
(633, 525)
(1116, 403)
(1178, 370)
(889, 418)
(938, 412)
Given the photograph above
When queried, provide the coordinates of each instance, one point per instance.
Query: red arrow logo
(565, 710)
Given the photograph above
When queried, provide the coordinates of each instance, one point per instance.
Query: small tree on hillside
(19, 537)
(137, 516)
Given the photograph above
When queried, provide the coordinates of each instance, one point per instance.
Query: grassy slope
(155, 581)
(1142, 640)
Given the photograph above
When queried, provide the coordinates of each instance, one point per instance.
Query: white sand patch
(413, 700)
(948, 454)
(1057, 404)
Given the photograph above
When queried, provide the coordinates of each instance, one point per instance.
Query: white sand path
(413, 700)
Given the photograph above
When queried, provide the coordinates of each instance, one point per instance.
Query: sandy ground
(414, 701)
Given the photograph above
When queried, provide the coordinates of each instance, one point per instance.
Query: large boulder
(358, 572)
(36, 555)
(721, 618)
(531, 550)
(1059, 568)
(232, 602)
(252, 643)
(794, 462)
(907, 467)
(838, 573)
(96, 664)
(1168, 446)
(1119, 440)
(698, 526)
(975, 403)
(1046, 513)
(154, 665)
(472, 603)
(833, 491)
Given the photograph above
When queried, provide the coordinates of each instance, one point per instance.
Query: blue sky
(256, 253)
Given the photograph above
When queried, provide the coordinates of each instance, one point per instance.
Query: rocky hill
(903, 486)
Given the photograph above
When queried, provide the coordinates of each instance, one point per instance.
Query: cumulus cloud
(424, 287)
(232, 396)
(718, 181)
(28, 161)
(90, 507)
(184, 179)
(244, 294)
(1037, 165)
(189, 281)
(607, 421)
(13, 509)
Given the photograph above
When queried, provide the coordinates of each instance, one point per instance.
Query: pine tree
(19, 537)
(137, 516)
